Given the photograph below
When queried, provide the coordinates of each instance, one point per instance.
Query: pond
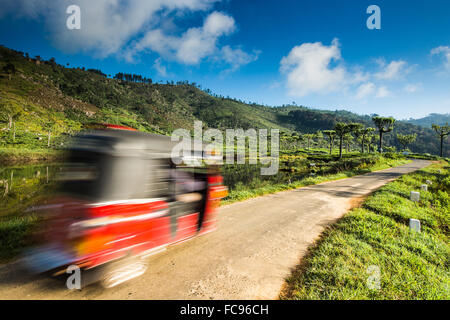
(25, 186)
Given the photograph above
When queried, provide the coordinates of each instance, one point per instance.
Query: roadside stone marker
(414, 196)
(424, 187)
(414, 225)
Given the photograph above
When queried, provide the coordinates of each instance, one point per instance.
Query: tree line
(132, 78)
(345, 133)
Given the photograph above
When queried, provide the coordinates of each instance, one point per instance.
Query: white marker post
(424, 187)
(414, 225)
(414, 196)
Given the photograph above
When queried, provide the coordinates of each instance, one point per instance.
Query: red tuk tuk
(122, 199)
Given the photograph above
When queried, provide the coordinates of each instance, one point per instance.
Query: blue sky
(318, 53)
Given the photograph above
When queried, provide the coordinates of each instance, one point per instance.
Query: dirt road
(256, 245)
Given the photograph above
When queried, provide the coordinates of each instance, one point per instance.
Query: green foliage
(443, 132)
(342, 130)
(245, 181)
(21, 188)
(364, 136)
(412, 265)
(384, 125)
(331, 134)
(405, 139)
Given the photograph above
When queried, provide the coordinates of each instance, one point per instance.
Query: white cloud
(127, 28)
(445, 51)
(365, 90)
(196, 43)
(370, 89)
(383, 92)
(160, 68)
(236, 57)
(106, 25)
(314, 68)
(217, 24)
(308, 69)
(393, 70)
(411, 88)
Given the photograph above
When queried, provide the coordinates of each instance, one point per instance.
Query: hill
(436, 118)
(43, 103)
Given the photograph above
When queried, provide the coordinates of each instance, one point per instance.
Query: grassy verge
(244, 192)
(14, 235)
(9, 156)
(22, 187)
(375, 240)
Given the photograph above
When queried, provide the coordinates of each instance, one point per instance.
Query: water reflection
(24, 186)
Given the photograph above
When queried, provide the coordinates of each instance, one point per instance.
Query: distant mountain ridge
(432, 118)
(43, 98)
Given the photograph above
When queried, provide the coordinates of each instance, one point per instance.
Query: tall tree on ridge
(442, 132)
(331, 134)
(384, 125)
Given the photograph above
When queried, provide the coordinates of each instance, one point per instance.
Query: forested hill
(40, 96)
(433, 118)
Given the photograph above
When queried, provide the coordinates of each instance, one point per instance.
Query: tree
(348, 138)
(442, 132)
(319, 137)
(308, 138)
(9, 69)
(295, 138)
(362, 134)
(341, 130)
(285, 140)
(331, 134)
(405, 139)
(369, 139)
(384, 125)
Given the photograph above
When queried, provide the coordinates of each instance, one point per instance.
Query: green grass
(412, 265)
(252, 190)
(14, 235)
(21, 187)
(27, 156)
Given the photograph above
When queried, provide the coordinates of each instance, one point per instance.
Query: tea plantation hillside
(42, 103)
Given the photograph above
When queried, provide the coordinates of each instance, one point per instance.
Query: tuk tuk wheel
(123, 270)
